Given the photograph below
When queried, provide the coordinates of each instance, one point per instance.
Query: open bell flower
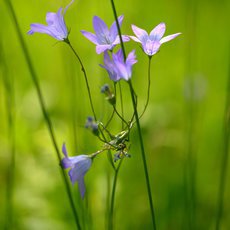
(55, 27)
(105, 38)
(78, 165)
(151, 42)
(116, 67)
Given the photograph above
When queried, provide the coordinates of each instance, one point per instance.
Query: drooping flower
(116, 67)
(104, 38)
(151, 43)
(78, 165)
(55, 27)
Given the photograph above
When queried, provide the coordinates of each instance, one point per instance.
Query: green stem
(143, 156)
(148, 90)
(43, 107)
(138, 124)
(120, 116)
(122, 106)
(110, 119)
(111, 211)
(85, 76)
(224, 163)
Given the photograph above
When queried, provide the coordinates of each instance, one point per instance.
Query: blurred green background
(182, 128)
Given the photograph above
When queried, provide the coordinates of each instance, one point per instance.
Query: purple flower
(55, 27)
(117, 68)
(104, 38)
(151, 43)
(79, 166)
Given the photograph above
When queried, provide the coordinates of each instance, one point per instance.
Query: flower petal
(169, 38)
(66, 163)
(151, 47)
(102, 48)
(113, 29)
(101, 30)
(39, 28)
(80, 168)
(92, 37)
(81, 186)
(135, 39)
(110, 67)
(64, 150)
(157, 33)
(56, 26)
(56, 22)
(125, 38)
(141, 34)
(124, 70)
(131, 59)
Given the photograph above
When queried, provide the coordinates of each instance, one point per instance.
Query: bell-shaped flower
(55, 27)
(78, 165)
(151, 42)
(105, 38)
(117, 67)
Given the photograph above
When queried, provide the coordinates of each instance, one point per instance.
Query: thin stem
(120, 116)
(148, 90)
(111, 211)
(138, 125)
(43, 107)
(119, 29)
(110, 119)
(224, 162)
(85, 76)
(122, 105)
(143, 156)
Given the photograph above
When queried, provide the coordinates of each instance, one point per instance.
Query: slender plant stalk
(122, 105)
(10, 105)
(43, 107)
(138, 125)
(110, 119)
(224, 162)
(111, 211)
(85, 76)
(121, 117)
(149, 84)
(143, 157)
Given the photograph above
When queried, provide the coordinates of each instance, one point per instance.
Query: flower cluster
(117, 66)
(106, 39)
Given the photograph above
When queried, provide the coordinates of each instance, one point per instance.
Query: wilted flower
(79, 166)
(55, 27)
(151, 43)
(104, 38)
(105, 89)
(117, 68)
(109, 94)
(91, 124)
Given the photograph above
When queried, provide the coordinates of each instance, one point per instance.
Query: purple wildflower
(79, 166)
(104, 38)
(151, 43)
(117, 68)
(55, 27)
